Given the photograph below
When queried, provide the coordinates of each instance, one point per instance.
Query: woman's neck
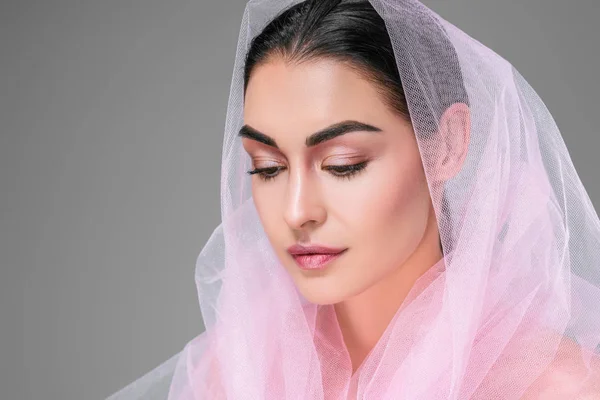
(364, 317)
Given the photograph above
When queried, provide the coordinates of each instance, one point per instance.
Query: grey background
(111, 118)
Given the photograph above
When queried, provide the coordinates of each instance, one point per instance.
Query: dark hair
(353, 32)
(348, 31)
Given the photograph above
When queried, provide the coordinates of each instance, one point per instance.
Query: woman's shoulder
(573, 374)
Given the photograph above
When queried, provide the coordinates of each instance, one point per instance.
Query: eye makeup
(338, 171)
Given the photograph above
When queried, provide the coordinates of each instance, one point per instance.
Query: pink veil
(511, 311)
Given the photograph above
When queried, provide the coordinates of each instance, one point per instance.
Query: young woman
(400, 220)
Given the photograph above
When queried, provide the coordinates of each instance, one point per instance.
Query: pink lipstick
(314, 257)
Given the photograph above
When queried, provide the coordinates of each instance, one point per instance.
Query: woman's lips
(314, 261)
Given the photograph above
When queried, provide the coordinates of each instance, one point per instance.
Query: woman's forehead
(309, 96)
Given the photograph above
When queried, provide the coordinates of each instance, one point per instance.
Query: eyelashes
(338, 171)
(346, 171)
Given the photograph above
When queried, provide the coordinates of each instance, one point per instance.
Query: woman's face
(380, 211)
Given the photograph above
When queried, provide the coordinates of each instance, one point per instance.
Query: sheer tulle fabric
(511, 311)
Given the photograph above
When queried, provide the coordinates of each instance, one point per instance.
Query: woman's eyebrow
(332, 131)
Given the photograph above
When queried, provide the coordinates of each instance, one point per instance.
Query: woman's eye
(266, 173)
(339, 171)
(346, 171)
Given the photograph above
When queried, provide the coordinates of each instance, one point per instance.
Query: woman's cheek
(395, 205)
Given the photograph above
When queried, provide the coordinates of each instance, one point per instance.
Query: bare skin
(383, 214)
(565, 377)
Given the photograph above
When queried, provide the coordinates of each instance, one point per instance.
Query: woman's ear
(454, 133)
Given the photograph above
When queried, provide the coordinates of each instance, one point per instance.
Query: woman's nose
(304, 204)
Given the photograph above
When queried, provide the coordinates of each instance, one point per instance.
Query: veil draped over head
(511, 311)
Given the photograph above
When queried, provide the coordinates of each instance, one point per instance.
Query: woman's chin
(323, 291)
